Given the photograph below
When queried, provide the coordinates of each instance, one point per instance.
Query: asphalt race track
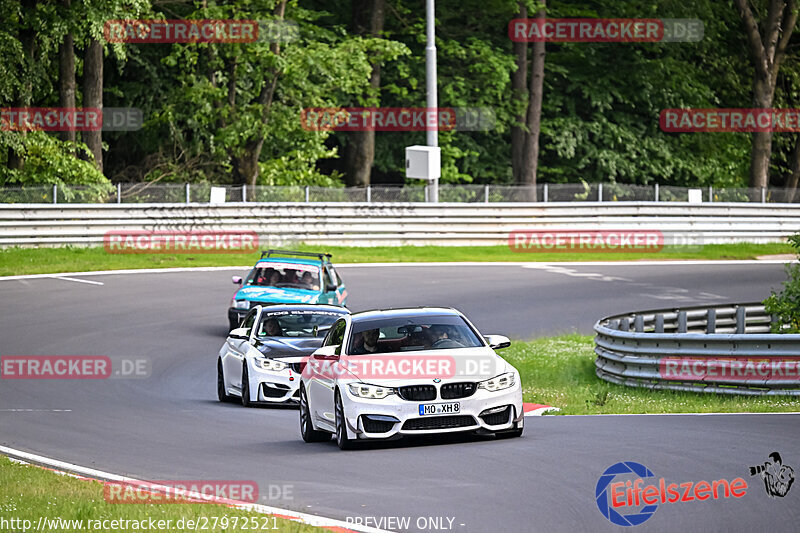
(170, 426)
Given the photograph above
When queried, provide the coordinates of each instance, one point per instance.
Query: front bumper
(393, 417)
(274, 387)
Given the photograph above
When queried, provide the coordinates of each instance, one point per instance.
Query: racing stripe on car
(537, 409)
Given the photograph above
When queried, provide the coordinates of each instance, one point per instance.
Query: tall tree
(66, 70)
(767, 47)
(93, 95)
(533, 117)
(27, 37)
(368, 19)
(519, 85)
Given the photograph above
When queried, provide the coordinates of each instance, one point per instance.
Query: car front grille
(276, 391)
(452, 391)
(496, 419)
(417, 393)
(439, 422)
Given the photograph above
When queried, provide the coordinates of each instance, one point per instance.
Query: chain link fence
(157, 193)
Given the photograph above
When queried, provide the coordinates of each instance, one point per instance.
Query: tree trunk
(534, 116)
(766, 55)
(66, 74)
(519, 85)
(93, 96)
(245, 166)
(359, 154)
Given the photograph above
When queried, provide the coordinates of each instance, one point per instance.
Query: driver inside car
(272, 328)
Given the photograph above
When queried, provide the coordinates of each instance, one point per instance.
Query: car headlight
(373, 392)
(503, 381)
(271, 364)
(241, 304)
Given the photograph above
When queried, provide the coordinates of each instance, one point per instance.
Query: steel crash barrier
(723, 349)
(392, 224)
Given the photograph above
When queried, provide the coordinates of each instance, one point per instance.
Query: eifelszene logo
(629, 502)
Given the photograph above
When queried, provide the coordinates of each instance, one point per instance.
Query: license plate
(439, 408)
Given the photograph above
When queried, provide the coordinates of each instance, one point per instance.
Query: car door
(237, 349)
(341, 290)
(320, 387)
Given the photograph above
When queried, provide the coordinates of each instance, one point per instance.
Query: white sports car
(385, 374)
(261, 361)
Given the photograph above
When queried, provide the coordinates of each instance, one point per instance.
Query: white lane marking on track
(372, 265)
(35, 410)
(650, 290)
(65, 278)
(310, 519)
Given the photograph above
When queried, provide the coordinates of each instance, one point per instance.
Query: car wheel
(307, 431)
(245, 385)
(342, 440)
(222, 395)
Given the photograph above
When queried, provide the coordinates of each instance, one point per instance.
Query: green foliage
(786, 304)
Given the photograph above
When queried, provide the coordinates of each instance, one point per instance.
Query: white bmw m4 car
(392, 373)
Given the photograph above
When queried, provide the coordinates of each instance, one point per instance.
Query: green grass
(17, 261)
(559, 371)
(28, 493)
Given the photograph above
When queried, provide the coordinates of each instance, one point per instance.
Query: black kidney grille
(452, 391)
(417, 393)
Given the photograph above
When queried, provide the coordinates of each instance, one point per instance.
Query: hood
(277, 295)
(281, 347)
(467, 364)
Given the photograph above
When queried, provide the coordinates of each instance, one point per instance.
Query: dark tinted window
(409, 334)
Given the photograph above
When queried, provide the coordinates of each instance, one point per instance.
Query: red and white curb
(84, 473)
(538, 409)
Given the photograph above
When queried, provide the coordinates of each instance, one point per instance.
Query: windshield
(295, 275)
(299, 323)
(411, 334)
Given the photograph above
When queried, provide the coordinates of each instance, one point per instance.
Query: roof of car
(404, 312)
(264, 262)
(305, 307)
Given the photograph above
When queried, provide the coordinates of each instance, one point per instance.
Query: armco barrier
(397, 223)
(722, 349)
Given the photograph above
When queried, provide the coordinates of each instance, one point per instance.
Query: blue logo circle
(603, 497)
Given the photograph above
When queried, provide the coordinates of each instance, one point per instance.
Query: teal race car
(287, 277)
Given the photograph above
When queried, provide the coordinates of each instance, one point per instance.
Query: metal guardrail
(391, 224)
(722, 349)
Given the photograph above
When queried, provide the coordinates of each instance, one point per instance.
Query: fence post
(55, 194)
(599, 192)
(188, 197)
(711, 321)
(638, 324)
(741, 319)
(308, 194)
(659, 327)
(763, 195)
(244, 193)
(625, 324)
(119, 193)
(369, 194)
(544, 192)
(656, 192)
(681, 321)
(486, 194)
(710, 193)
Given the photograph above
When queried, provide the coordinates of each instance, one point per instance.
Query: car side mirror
(237, 280)
(330, 287)
(497, 342)
(327, 353)
(239, 333)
